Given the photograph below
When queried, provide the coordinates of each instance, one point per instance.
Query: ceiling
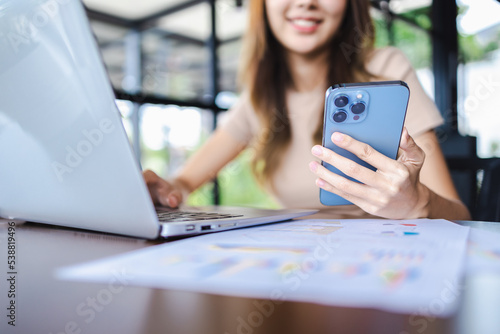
(132, 9)
(192, 21)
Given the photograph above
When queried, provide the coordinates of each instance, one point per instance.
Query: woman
(293, 50)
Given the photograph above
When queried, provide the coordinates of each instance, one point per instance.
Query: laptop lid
(63, 153)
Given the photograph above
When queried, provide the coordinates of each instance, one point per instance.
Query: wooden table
(47, 305)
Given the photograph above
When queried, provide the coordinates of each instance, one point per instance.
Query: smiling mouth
(304, 23)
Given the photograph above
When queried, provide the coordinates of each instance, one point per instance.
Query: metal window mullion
(214, 80)
(445, 60)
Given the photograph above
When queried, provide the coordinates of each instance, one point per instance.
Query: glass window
(229, 54)
(175, 66)
(110, 39)
(382, 35)
(237, 184)
(415, 42)
(176, 56)
(479, 74)
(170, 134)
(417, 46)
(238, 187)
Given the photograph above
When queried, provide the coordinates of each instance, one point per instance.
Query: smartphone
(371, 112)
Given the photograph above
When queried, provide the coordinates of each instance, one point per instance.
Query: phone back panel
(374, 114)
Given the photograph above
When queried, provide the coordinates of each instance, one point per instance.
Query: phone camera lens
(341, 101)
(358, 108)
(340, 116)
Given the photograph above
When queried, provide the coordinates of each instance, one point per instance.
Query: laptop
(64, 155)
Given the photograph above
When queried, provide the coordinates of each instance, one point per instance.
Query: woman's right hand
(162, 192)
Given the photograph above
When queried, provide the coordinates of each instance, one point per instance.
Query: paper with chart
(411, 266)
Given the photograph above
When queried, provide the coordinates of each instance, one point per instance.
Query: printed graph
(320, 229)
(258, 249)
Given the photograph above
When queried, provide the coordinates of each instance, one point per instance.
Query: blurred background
(173, 66)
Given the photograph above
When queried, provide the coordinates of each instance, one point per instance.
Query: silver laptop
(64, 156)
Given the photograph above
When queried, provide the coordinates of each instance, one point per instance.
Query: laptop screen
(65, 158)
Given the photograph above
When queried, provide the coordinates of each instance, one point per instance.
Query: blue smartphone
(371, 112)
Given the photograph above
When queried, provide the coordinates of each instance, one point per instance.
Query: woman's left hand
(392, 191)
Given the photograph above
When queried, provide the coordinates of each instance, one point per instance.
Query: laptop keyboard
(184, 216)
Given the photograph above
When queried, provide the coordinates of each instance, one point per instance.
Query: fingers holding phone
(392, 190)
(366, 118)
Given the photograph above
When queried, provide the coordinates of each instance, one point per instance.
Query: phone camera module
(358, 108)
(341, 101)
(340, 116)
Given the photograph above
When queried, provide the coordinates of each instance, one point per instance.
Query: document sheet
(409, 266)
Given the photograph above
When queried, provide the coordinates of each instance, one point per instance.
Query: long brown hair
(266, 76)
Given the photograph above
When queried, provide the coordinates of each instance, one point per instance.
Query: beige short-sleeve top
(294, 184)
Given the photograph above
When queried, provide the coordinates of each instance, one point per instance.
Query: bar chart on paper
(401, 266)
